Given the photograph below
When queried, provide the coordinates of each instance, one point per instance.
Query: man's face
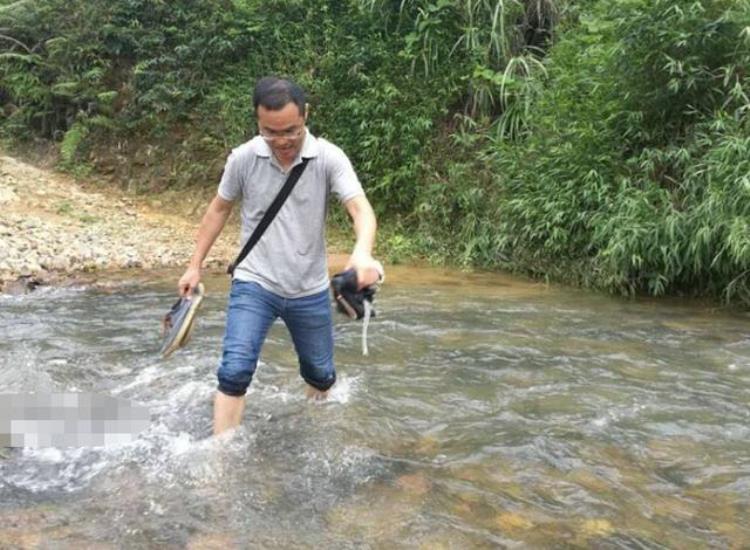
(283, 130)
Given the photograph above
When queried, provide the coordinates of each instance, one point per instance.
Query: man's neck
(285, 166)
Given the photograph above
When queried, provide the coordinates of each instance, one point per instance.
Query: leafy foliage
(130, 60)
(601, 142)
(634, 170)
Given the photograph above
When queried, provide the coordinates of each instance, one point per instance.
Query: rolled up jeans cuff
(322, 386)
(230, 392)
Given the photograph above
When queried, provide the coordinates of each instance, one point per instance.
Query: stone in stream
(420, 448)
(44, 526)
(20, 538)
(22, 285)
(588, 480)
(594, 528)
(446, 538)
(204, 541)
(497, 477)
(427, 446)
(723, 513)
(380, 511)
(416, 483)
(513, 522)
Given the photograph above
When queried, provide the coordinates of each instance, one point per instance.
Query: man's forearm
(211, 225)
(365, 227)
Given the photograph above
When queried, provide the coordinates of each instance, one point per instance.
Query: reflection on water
(490, 412)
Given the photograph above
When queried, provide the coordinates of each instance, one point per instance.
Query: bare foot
(315, 394)
(228, 411)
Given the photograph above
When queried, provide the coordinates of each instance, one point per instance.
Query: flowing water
(491, 412)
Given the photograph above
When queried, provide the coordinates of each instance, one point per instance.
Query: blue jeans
(251, 312)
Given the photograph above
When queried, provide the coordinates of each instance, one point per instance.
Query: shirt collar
(310, 148)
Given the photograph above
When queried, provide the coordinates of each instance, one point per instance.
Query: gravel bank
(52, 228)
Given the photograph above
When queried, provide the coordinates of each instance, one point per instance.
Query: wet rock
(13, 538)
(427, 446)
(378, 516)
(210, 542)
(22, 285)
(596, 528)
(590, 481)
(416, 484)
(511, 522)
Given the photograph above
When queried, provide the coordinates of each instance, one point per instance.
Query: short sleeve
(230, 186)
(343, 180)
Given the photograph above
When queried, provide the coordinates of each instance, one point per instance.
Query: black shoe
(350, 300)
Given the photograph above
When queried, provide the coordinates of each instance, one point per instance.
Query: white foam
(182, 459)
(353, 462)
(146, 376)
(181, 444)
(193, 391)
(151, 374)
(22, 371)
(50, 455)
(75, 471)
(343, 390)
(617, 414)
(272, 392)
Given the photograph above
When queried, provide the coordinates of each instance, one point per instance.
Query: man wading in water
(286, 274)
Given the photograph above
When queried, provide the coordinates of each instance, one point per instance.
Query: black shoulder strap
(270, 213)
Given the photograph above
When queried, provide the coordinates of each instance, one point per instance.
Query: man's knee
(320, 378)
(234, 380)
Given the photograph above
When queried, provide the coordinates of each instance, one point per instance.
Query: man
(286, 274)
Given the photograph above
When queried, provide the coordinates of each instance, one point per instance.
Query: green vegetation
(604, 143)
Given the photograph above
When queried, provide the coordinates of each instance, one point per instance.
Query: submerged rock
(22, 285)
(591, 528)
(512, 522)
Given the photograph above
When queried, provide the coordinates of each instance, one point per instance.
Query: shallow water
(491, 412)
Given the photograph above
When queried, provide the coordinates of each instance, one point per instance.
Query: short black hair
(275, 93)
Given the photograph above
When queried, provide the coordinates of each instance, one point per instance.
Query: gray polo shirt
(290, 258)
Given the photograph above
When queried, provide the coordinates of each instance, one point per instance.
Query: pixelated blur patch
(69, 420)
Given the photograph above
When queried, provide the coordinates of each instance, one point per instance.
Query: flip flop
(177, 324)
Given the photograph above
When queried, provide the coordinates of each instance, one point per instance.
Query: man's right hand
(211, 225)
(189, 281)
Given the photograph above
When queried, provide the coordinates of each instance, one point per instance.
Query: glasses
(292, 133)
